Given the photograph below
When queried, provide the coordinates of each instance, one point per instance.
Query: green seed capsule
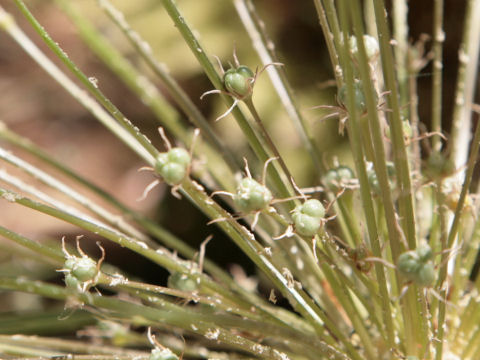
(84, 269)
(181, 282)
(179, 156)
(160, 162)
(409, 264)
(337, 178)
(245, 72)
(424, 252)
(162, 354)
(313, 207)
(173, 173)
(252, 196)
(173, 165)
(425, 275)
(373, 180)
(239, 81)
(69, 263)
(72, 282)
(360, 102)
(416, 266)
(306, 225)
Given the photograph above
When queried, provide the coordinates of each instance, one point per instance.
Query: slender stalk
(400, 34)
(177, 93)
(263, 45)
(147, 315)
(67, 346)
(199, 52)
(405, 199)
(329, 39)
(442, 273)
(36, 247)
(268, 140)
(475, 146)
(113, 219)
(437, 47)
(464, 93)
(365, 191)
(298, 298)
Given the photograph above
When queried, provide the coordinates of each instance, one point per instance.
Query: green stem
(365, 191)
(465, 87)
(400, 34)
(475, 146)
(437, 47)
(174, 89)
(148, 315)
(268, 139)
(36, 247)
(161, 258)
(405, 199)
(199, 52)
(256, 29)
(329, 38)
(255, 251)
(442, 273)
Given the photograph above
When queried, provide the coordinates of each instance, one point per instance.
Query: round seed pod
(160, 162)
(72, 282)
(306, 225)
(424, 252)
(84, 269)
(337, 178)
(173, 165)
(252, 196)
(360, 103)
(409, 264)
(245, 71)
(162, 354)
(313, 207)
(69, 263)
(173, 173)
(425, 275)
(182, 282)
(239, 81)
(373, 180)
(179, 156)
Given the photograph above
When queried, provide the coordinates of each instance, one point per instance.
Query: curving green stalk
(200, 54)
(263, 45)
(177, 93)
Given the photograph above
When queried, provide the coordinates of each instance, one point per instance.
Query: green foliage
(360, 279)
